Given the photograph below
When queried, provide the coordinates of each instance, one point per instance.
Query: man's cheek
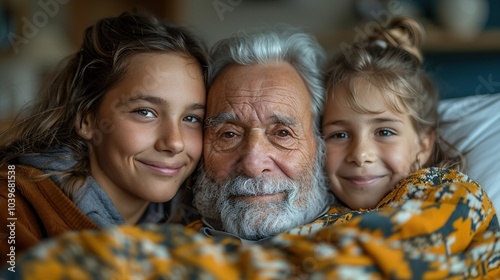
(215, 165)
(208, 140)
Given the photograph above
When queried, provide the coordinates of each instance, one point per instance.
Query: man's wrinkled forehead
(257, 85)
(258, 108)
(221, 118)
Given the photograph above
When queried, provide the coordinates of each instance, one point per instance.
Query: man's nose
(256, 154)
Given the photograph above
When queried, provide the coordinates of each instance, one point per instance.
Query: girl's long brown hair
(82, 80)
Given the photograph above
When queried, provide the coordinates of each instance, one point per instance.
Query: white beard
(303, 200)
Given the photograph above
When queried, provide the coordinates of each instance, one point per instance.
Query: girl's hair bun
(401, 32)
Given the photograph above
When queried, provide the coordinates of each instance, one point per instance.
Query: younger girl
(380, 120)
(112, 137)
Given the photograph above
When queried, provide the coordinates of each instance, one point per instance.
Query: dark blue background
(464, 73)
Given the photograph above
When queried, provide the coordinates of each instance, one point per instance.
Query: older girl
(113, 136)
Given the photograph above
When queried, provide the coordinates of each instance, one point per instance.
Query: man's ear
(427, 142)
(84, 126)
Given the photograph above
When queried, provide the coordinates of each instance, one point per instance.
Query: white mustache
(243, 186)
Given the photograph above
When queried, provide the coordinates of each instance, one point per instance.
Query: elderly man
(263, 153)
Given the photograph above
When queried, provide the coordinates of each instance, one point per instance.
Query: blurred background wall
(462, 47)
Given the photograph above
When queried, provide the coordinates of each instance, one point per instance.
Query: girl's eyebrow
(374, 120)
(197, 106)
(148, 98)
(335, 122)
(384, 120)
(162, 102)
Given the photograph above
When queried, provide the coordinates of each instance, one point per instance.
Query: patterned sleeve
(438, 224)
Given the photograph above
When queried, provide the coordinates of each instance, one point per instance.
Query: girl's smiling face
(369, 152)
(146, 137)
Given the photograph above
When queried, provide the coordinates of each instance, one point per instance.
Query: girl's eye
(339, 135)
(385, 132)
(147, 113)
(342, 135)
(192, 119)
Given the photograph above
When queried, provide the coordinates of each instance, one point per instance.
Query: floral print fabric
(436, 224)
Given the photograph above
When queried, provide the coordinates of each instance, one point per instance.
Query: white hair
(281, 44)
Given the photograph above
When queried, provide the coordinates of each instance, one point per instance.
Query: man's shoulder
(196, 225)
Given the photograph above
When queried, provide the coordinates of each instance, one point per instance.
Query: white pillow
(475, 127)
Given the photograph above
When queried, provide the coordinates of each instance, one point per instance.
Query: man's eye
(283, 133)
(225, 139)
(229, 134)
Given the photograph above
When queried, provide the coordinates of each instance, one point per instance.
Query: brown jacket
(32, 211)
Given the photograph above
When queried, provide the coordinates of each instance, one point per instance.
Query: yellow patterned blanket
(437, 224)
